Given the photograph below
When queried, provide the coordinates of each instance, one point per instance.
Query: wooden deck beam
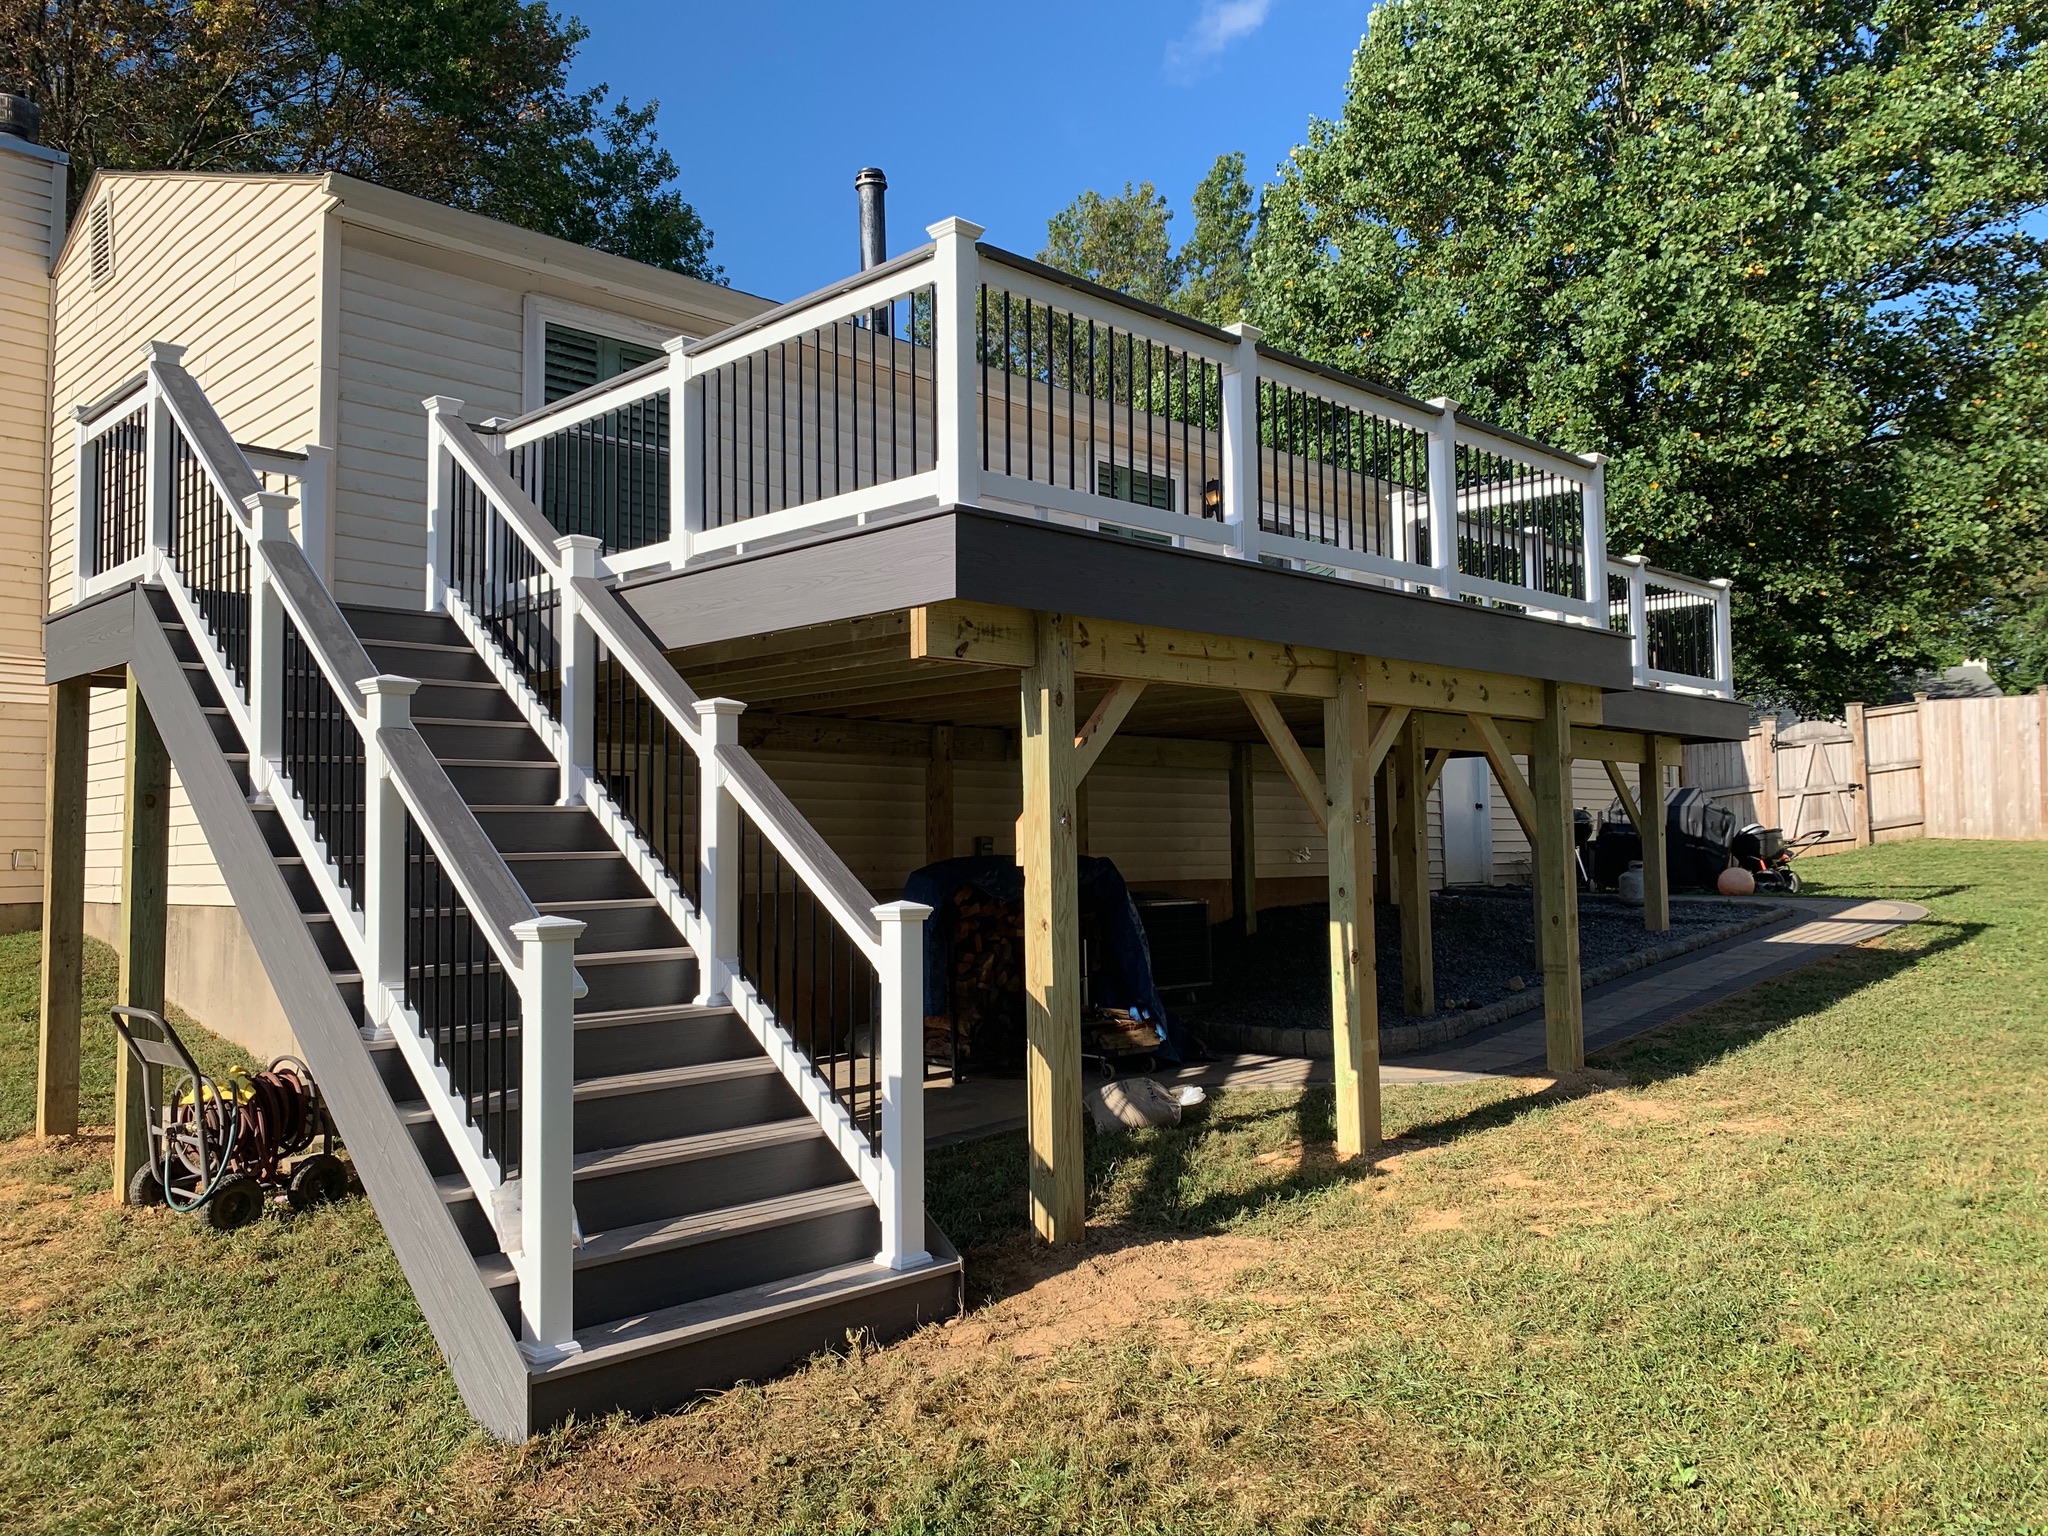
(1354, 980)
(1052, 936)
(63, 975)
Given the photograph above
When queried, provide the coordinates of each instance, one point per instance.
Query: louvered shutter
(612, 480)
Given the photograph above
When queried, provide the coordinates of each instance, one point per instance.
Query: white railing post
(718, 856)
(1638, 616)
(440, 500)
(901, 1065)
(1241, 441)
(86, 520)
(159, 472)
(270, 517)
(316, 510)
(1595, 535)
(578, 553)
(1443, 496)
(388, 706)
(685, 456)
(956, 293)
(1724, 636)
(547, 1136)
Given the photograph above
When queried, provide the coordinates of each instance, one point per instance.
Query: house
(548, 672)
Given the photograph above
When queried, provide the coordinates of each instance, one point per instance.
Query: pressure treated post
(1354, 980)
(1656, 857)
(1557, 886)
(145, 891)
(63, 1011)
(1411, 858)
(1383, 832)
(1052, 937)
(1859, 777)
(1244, 842)
(938, 797)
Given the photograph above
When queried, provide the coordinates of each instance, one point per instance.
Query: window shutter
(576, 360)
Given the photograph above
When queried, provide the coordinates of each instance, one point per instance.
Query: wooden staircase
(723, 1236)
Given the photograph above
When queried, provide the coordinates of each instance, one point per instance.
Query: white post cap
(966, 229)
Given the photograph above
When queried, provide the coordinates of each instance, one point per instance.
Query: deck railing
(474, 986)
(959, 373)
(826, 980)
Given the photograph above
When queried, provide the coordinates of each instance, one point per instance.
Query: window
(1121, 482)
(576, 359)
(100, 238)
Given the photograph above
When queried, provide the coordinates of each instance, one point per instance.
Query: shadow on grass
(978, 1194)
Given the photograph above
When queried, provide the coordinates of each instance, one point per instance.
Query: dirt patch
(1438, 1221)
(1048, 1301)
(1638, 1111)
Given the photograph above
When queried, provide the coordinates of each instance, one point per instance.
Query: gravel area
(1484, 942)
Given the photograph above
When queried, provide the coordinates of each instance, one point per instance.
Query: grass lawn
(1777, 1267)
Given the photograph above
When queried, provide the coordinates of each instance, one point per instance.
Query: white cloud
(1221, 23)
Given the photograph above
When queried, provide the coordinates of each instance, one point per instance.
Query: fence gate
(1814, 781)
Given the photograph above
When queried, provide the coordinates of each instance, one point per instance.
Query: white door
(1468, 822)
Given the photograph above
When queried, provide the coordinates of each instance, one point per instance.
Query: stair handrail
(530, 1205)
(888, 936)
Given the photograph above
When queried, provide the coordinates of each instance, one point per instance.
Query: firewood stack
(987, 954)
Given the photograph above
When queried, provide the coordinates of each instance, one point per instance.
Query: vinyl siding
(31, 212)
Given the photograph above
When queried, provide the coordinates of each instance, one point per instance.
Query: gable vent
(101, 235)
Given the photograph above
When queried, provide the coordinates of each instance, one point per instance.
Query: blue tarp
(1125, 982)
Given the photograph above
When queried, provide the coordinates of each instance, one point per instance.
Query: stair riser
(275, 834)
(203, 690)
(435, 701)
(641, 984)
(613, 928)
(621, 1048)
(300, 883)
(495, 785)
(373, 624)
(432, 1145)
(333, 948)
(460, 666)
(621, 1120)
(601, 879)
(541, 830)
(666, 1279)
(224, 733)
(707, 1184)
(513, 743)
(663, 1380)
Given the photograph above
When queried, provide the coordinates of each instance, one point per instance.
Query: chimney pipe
(870, 184)
(24, 120)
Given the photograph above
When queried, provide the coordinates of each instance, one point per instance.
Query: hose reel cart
(219, 1145)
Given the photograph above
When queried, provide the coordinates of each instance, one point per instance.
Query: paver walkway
(1614, 1012)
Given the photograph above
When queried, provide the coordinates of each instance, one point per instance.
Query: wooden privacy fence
(1963, 768)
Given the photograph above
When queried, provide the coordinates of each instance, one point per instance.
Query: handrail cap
(902, 912)
(442, 405)
(168, 353)
(548, 928)
(388, 683)
(710, 707)
(966, 229)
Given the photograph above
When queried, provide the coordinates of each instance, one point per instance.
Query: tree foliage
(1123, 242)
(465, 102)
(1767, 253)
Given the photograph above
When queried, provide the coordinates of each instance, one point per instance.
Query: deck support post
(718, 855)
(1656, 850)
(1244, 842)
(1556, 885)
(1411, 857)
(63, 975)
(1383, 833)
(1354, 981)
(1052, 936)
(938, 797)
(145, 895)
(902, 1086)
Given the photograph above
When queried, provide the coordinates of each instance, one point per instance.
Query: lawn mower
(219, 1145)
(1768, 854)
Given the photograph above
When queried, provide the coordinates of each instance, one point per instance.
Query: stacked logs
(986, 949)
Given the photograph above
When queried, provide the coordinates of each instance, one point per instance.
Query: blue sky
(1001, 115)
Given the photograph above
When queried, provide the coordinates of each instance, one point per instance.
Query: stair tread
(417, 645)
(624, 956)
(653, 1014)
(619, 1083)
(698, 1321)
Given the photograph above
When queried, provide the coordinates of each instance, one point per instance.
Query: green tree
(1758, 250)
(1124, 243)
(465, 102)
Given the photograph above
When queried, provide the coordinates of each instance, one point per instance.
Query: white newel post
(1638, 617)
(388, 703)
(316, 509)
(956, 293)
(685, 455)
(902, 1069)
(1241, 441)
(547, 1136)
(1596, 537)
(578, 553)
(1443, 496)
(158, 468)
(718, 855)
(270, 517)
(440, 500)
(1724, 635)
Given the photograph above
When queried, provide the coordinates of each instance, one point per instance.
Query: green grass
(1777, 1267)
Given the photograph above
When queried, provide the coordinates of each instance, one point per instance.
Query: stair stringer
(489, 1370)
